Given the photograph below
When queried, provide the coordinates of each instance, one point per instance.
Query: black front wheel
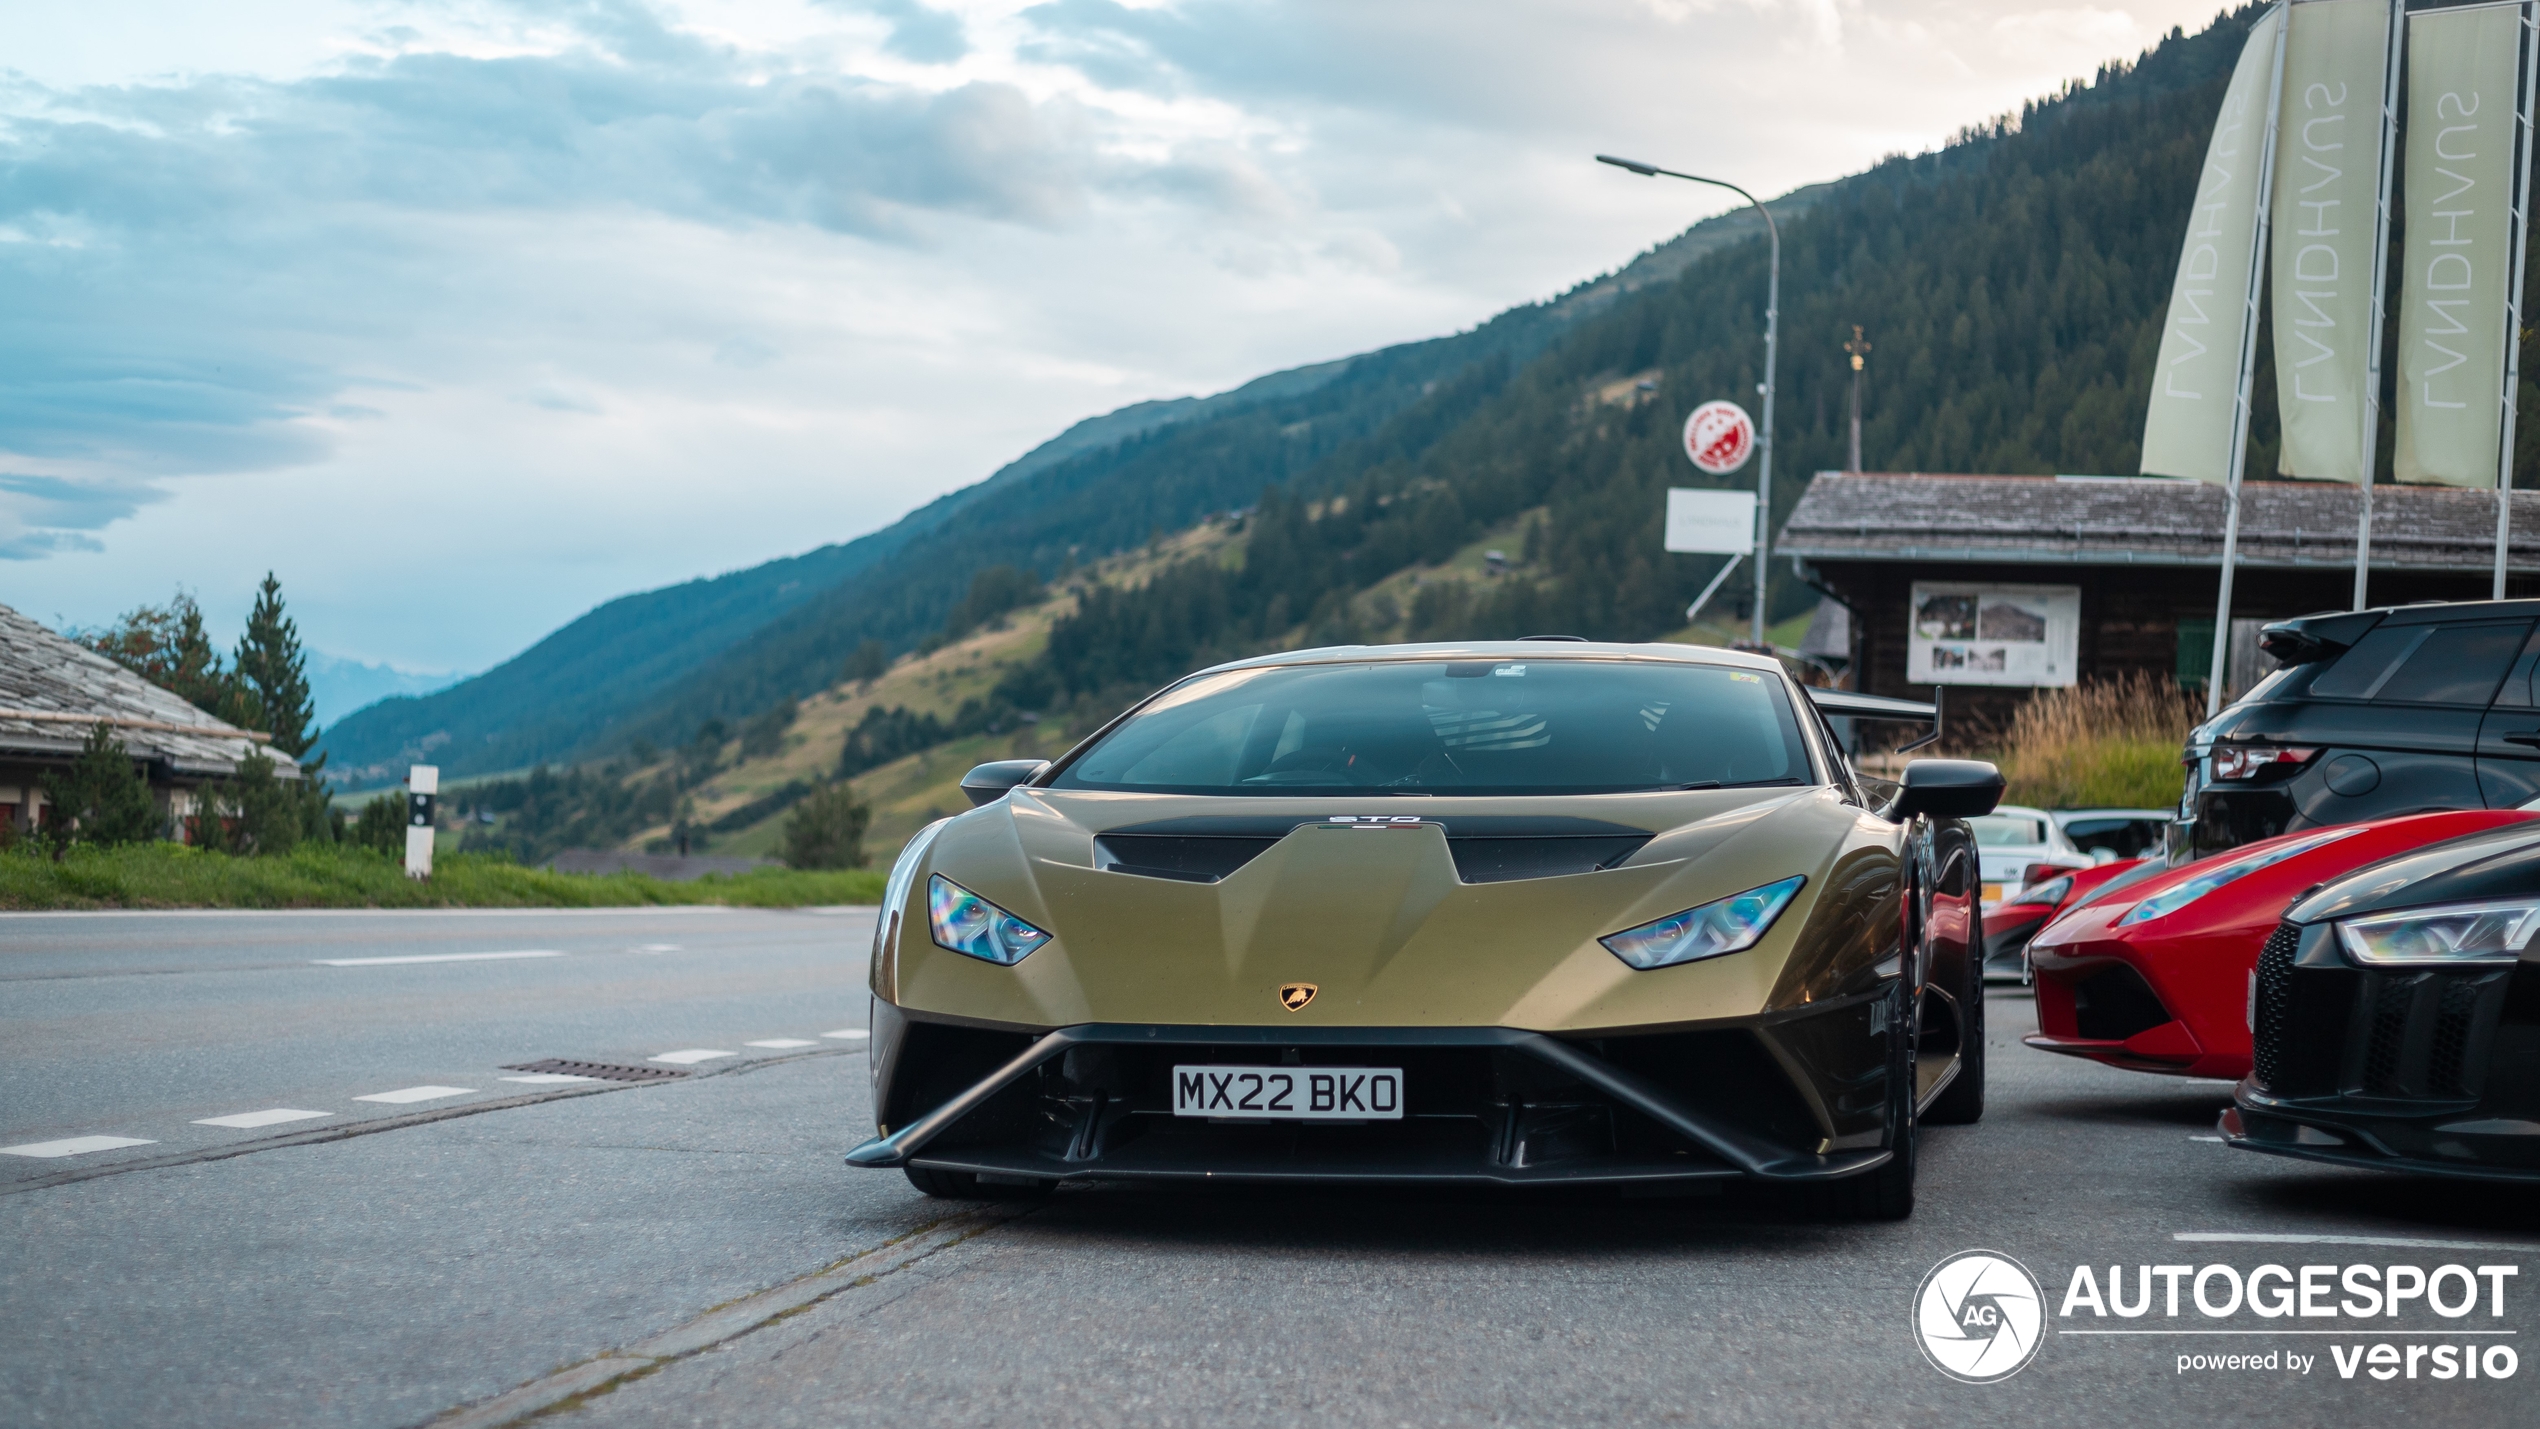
(1962, 1102)
(1886, 1194)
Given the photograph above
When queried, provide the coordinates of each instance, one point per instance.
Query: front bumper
(2433, 1071)
(2423, 1145)
(1793, 1098)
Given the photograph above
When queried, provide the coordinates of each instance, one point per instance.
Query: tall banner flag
(2462, 66)
(2328, 168)
(2189, 428)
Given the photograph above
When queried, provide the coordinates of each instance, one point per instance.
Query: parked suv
(2376, 713)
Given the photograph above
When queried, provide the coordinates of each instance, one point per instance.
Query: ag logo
(1978, 1316)
(1295, 995)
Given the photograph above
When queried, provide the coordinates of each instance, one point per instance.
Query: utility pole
(1768, 388)
(1859, 347)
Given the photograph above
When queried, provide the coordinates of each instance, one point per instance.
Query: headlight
(1730, 925)
(967, 923)
(2228, 871)
(2452, 936)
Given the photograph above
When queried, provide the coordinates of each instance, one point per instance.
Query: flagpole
(2380, 295)
(2513, 300)
(2248, 368)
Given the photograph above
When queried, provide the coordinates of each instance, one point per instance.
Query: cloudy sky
(463, 317)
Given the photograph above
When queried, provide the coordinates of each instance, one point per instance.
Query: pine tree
(270, 663)
(102, 797)
(167, 645)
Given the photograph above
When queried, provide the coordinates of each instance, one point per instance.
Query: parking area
(690, 1250)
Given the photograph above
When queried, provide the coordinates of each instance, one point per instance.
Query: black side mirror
(990, 781)
(1948, 789)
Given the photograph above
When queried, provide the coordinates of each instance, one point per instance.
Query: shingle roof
(2154, 521)
(42, 674)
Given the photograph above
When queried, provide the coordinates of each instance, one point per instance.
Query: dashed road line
(724, 1324)
(437, 958)
(342, 1130)
(782, 1044)
(2402, 1242)
(849, 1034)
(691, 1056)
(403, 1095)
(546, 1078)
(74, 1146)
(271, 1116)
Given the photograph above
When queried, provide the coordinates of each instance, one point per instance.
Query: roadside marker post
(423, 786)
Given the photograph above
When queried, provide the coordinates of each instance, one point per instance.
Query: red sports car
(2155, 975)
(2010, 924)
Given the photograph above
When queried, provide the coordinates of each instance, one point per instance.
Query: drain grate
(605, 1071)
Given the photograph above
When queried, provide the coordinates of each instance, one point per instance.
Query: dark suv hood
(2500, 863)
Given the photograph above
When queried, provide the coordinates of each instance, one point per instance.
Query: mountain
(340, 686)
(2012, 282)
(654, 665)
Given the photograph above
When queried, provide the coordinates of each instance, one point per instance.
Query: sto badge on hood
(1295, 995)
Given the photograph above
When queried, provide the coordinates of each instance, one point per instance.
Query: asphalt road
(691, 1252)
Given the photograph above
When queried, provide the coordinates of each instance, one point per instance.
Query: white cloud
(464, 317)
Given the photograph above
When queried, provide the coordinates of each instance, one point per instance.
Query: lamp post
(1772, 345)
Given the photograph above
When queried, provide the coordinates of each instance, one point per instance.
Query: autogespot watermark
(1978, 1315)
(1981, 1317)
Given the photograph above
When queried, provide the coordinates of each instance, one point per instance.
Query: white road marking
(848, 1034)
(270, 1117)
(416, 1094)
(437, 958)
(2205, 1138)
(658, 948)
(691, 1056)
(2263, 1238)
(543, 1078)
(782, 1042)
(74, 1146)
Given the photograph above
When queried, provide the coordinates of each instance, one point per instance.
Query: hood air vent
(1486, 848)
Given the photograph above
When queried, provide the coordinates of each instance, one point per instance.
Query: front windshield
(1557, 726)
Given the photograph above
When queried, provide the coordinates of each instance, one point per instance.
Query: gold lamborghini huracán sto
(1525, 913)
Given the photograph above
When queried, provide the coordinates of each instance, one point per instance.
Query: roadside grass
(170, 875)
(2111, 744)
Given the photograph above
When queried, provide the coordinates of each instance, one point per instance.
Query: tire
(1962, 1103)
(1886, 1194)
(965, 1186)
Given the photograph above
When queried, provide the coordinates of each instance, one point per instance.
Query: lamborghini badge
(1295, 995)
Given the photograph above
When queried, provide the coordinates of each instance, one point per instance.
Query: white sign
(1719, 436)
(1718, 523)
(2022, 635)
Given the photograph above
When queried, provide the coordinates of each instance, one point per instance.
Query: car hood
(1377, 917)
(2496, 863)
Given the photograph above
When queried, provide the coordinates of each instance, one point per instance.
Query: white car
(2011, 838)
(2122, 833)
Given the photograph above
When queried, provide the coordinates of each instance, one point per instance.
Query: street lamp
(1772, 345)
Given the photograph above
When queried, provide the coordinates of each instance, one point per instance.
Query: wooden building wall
(2129, 615)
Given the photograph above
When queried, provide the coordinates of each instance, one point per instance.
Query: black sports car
(2396, 1016)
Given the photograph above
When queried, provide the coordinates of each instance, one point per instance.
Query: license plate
(1993, 892)
(1289, 1093)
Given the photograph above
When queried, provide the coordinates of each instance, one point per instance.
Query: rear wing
(1854, 705)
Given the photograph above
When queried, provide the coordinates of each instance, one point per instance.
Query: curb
(720, 1325)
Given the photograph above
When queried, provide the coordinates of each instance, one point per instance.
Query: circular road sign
(1719, 436)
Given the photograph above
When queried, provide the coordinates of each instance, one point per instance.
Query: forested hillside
(2012, 285)
(771, 632)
